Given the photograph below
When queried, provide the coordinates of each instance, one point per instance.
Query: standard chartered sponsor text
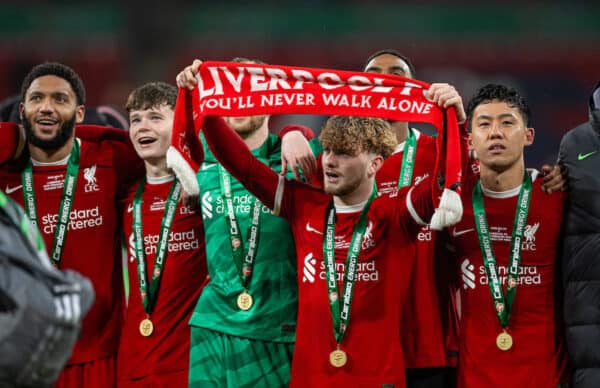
(528, 275)
(78, 219)
(178, 241)
(366, 271)
(242, 204)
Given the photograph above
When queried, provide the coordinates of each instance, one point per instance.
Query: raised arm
(296, 150)
(234, 155)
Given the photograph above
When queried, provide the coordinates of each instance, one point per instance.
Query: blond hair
(353, 135)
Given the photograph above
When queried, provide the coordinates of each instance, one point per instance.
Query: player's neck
(401, 130)
(50, 156)
(502, 180)
(157, 168)
(359, 195)
(258, 137)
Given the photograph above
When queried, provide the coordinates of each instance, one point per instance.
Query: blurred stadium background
(550, 51)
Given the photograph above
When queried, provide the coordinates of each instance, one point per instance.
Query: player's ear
(374, 165)
(529, 136)
(79, 113)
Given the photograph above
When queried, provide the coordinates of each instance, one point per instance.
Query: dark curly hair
(59, 70)
(500, 93)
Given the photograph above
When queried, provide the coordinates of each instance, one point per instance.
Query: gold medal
(504, 341)
(338, 358)
(146, 327)
(244, 301)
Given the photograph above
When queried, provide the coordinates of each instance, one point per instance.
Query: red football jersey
(166, 350)
(92, 245)
(372, 341)
(537, 357)
(428, 308)
(10, 141)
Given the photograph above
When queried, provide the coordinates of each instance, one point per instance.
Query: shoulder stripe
(278, 195)
(412, 210)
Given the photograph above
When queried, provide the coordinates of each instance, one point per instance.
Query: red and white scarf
(241, 89)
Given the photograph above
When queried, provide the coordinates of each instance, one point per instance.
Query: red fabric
(425, 323)
(94, 374)
(9, 133)
(92, 246)
(373, 339)
(306, 131)
(537, 358)
(97, 133)
(159, 380)
(167, 349)
(235, 89)
(184, 137)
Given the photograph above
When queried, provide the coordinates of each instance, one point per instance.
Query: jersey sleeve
(98, 133)
(562, 150)
(11, 142)
(416, 205)
(306, 131)
(234, 155)
(128, 166)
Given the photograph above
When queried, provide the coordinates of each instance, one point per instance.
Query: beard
(63, 134)
(248, 128)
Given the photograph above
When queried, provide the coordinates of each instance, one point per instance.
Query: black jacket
(580, 153)
(41, 308)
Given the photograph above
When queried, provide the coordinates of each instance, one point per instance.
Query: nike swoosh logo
(10, 190)
(129, 208)
(311, 229)
(205, 166)
(456, 233)
(583, 156)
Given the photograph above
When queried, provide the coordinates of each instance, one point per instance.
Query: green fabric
(273, 285)
(220, 360)
(315, 146)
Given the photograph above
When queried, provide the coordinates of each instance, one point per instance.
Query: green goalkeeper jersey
(272, 286)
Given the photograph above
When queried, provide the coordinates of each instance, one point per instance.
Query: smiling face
(49, 112)
(498, 135)
(150, 132)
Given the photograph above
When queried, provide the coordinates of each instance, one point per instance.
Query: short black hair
(248, 60)
(152, 95)
(494, 92)
(59, 70)
(395, 53)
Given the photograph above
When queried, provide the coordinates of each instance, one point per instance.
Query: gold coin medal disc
(146, 327)
(244, 301)
(504, 341)
(338, 358)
